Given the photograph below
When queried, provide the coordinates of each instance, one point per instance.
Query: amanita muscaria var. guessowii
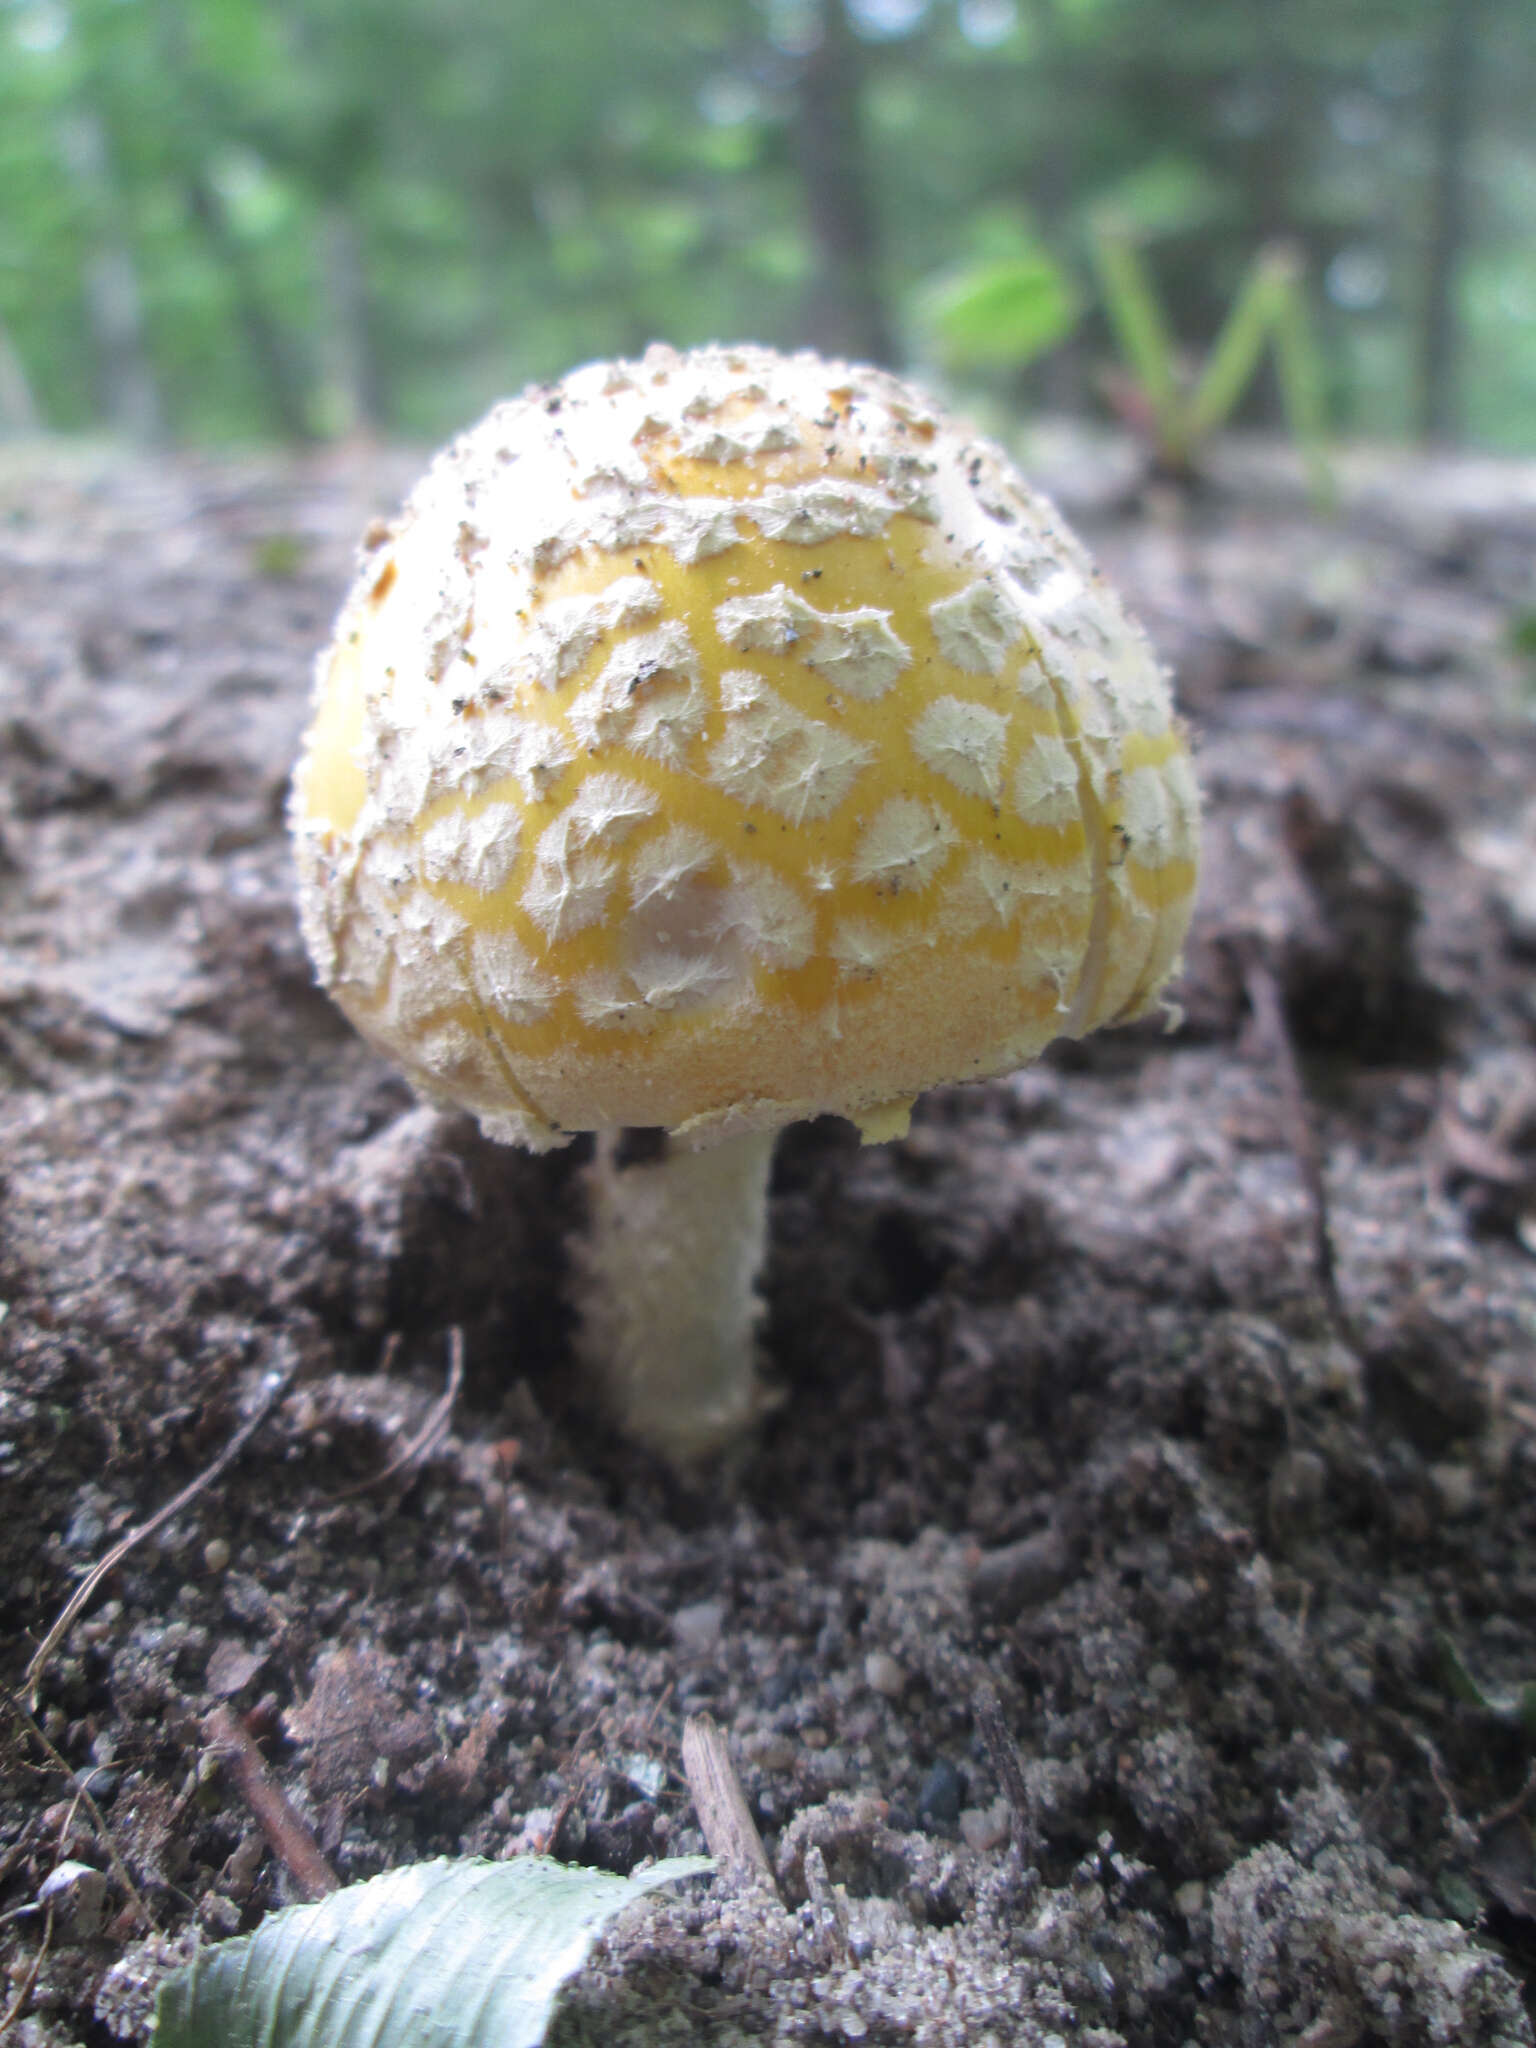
(717, 740)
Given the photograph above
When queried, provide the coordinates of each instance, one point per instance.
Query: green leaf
(1303, 390)
(448, 1954)
(1239, 348)
(1005, 311)
(1514, 1706)
(1140, 327)
(1169, 196)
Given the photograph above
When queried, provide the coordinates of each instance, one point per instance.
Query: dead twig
(83, 1798)
(1462, 1833)
(287, 1834)
(987, 1711)
(827, 1904)
(730, 1833)
(276, 1387)
(579, 1783)
(551, 1835)
(438, 1417)
(18, 2004)
(1512, 1809)
(1264, 1000)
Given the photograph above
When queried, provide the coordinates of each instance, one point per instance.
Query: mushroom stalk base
(665, 1285)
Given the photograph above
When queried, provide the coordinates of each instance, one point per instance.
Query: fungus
(717, 740)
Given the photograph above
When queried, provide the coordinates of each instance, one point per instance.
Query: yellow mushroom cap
(725, 738)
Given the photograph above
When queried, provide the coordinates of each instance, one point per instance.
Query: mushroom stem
(665, 1289)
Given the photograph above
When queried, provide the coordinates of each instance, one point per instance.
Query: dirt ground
(1180, 1394)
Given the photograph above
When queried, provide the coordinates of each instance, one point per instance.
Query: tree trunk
(1440, 331)
(128, 392)
(18, 408)
(1274, 172)
(281, 380)
(351, 395)
(1273, 164)
(278, 367)
(845, 310)
(1059, 381)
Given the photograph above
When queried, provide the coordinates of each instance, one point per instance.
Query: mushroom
(713, 741)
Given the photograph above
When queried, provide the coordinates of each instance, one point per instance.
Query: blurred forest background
(253, 220)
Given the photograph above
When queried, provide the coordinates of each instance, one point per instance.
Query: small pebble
(645, 1773)
(938, 1803)
(985, 1827)
(697, 1628)
(231, 1667)
(1297, 1485)
(882, 1674)
(771, 1752)
(78, 1896)
(1455, 1489)
(219, 1915)
(781, 1686)
(1022, 1574)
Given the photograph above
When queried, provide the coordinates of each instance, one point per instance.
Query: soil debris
(1148, 1422)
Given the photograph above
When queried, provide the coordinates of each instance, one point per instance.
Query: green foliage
(1181, 412)
(1003, 311)
(1172, 195)
(1522, 641)
(465, 1954)
(1136, 316)
(392, 210)
(1514, 1706)
(279, 556)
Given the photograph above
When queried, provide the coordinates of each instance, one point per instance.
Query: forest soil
(1178, 1396)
